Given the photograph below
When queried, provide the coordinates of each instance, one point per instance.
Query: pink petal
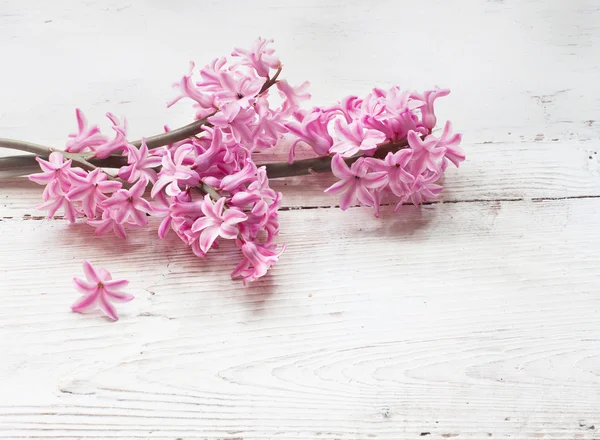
(202, 223)
(115, 284)
(120, 297)
(107, 308)
(229, 231)
(348, 197)
(90, 273)
(340, 168)
(84, 287)
(339, 187)
(234, 216)
(85, 303)
(41, 178)
(208, 237)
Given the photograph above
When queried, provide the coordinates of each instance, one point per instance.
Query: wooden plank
(467, 320)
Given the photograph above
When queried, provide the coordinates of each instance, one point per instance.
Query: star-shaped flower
(99, 289)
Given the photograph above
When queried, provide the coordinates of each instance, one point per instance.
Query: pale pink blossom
(174, 172)
(99, 291)
(356, 182)
(87, 138)
(427, 111)
(245, 175)
(395, 165)
(128, 205)
(451, 142)
(355, 137)
(312, 130)
(91, 189)
(423, 188)
(108, 223)
(260, 57)
(218, 221)
(426, 153)
(257, 261)
(292, 96)
(187, 89)
(55, 199)
(238, 92)
(55, 168)
(141, 164)
(118, 143)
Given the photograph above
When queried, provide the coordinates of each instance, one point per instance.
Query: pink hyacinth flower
(90, 190)
(312, 130)
(218, 222)
(259, 57)
(356, 182)
(395, 165)
(257, 261)
(56, 198)
(427, 111)
(118, 143)
(187, 89)
(55, 168)
(86, 138)
(141, 164)
(423, 188)
(451, 142)
(355, 137)
(174, 172)
(99, 289)
(238, 92)
(106, 223)
(128, 205)
(426, 153)
(292, 96)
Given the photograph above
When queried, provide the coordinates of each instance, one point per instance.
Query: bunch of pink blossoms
(381, 144)
(206, 186)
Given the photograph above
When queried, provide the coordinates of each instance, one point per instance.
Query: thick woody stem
(323, 164)
(275, 170)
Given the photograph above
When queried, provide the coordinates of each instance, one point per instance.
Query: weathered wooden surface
(474, 318)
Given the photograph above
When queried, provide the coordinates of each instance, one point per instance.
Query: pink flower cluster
(356, 130)
(207, 188)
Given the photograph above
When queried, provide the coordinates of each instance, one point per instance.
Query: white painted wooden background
(473, 318)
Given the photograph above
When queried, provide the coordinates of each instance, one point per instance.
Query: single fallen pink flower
(99, 289)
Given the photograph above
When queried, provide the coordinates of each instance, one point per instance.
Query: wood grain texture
(439, 333)
(470, 319)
